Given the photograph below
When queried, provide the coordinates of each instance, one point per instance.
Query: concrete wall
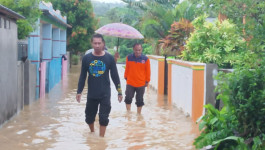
(211, 71)
(154, 73)
(187, 87)
(8, 69)
(190, 85)
(157, 65)
(181, 83)
(20, 85)
(30, 82)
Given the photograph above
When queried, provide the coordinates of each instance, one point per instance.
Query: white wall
(182, 88)
(154, 73)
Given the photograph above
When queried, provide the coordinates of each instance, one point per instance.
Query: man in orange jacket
(137, 75)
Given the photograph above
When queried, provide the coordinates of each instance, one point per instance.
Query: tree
(27, 8)
(175, 41)
(157, 18)
(82, 19)
(253, 29)
(185, 10)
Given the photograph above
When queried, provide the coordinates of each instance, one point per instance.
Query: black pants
(129, 94)
(92, 109)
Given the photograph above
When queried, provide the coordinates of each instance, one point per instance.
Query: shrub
(147, 49)
(218, 43)
(240, 123)
(75, 59)
(178, 34)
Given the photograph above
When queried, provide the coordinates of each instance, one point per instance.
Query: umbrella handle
(118, 42)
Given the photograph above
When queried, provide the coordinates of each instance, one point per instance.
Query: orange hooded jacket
(137, 70)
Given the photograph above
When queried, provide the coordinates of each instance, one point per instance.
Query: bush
(124, 51)
(75, 59)
(147, 49)
(218, 43)
(240, 123)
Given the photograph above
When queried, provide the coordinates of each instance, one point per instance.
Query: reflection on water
(58, 122)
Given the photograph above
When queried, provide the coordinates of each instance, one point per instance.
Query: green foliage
(157, 17)
(147, 49)
(235, 10)
(119, 14)
(102, 8)
(185, 10)
(244, 91)
(175, 41)
(240, 123)
(75, 59)
(215, 125)
(27, 8)
(124, 51)
(81, 17)
(218, 43)
(156, 21)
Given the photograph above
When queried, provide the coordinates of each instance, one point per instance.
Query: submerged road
(57, 122)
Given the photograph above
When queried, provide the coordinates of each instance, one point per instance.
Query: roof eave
(46, 12)
(10, 13)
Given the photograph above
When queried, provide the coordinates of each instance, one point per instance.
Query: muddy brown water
(57, 122)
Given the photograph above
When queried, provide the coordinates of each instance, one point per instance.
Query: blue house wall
(48, 43)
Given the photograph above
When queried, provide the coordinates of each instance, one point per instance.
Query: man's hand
(78, 97)
(146, 84)
(120, 98)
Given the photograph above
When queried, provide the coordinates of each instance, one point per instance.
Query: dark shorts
(129, 94)
(92, 109)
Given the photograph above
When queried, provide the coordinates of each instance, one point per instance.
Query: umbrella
(119, 30)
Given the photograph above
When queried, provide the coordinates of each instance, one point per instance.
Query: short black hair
(136, 44)
(97, 36)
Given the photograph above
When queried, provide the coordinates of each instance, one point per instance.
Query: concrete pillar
(34, 52)
(157, 73)
(30, 78)
(211, 71)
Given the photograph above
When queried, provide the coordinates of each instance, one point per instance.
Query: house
(47, 48)
(10, 78)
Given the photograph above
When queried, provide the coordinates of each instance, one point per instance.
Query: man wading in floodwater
(137, 74)
(98, 64)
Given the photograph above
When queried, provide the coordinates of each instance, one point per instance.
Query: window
(9, 27)
(5, 23)
(0, 22)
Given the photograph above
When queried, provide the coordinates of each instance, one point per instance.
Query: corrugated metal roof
(10, 13)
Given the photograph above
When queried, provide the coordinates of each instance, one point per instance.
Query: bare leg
(139, 109)
(102, 130)
(128, 107)
(91, 126)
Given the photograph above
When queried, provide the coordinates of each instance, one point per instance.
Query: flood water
(57, 122)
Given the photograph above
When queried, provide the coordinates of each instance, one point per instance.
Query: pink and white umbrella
(120, 30)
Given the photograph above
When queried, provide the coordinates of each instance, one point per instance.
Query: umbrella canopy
(120, 30)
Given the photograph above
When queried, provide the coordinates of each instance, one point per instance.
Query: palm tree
(158, 16)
